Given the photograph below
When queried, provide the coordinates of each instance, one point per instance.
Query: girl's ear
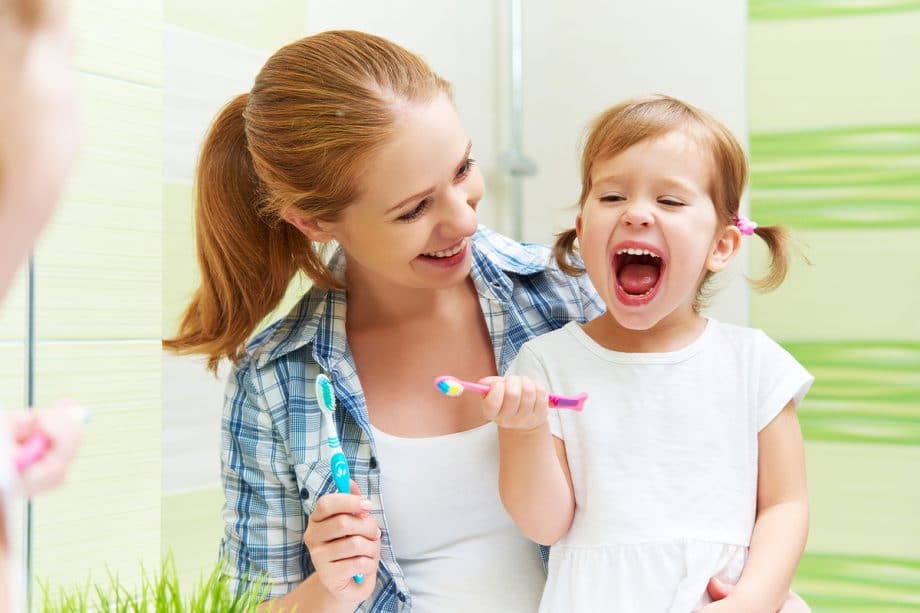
(310, 227)
(724, 248)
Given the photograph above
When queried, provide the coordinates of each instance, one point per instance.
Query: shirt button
(373, 462)
(304, 493)
(401, 596)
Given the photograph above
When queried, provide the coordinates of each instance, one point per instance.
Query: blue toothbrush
(325, 396)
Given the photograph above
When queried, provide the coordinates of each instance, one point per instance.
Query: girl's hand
(62, 426)
(344, 540)
(719, 590)
(515, 402)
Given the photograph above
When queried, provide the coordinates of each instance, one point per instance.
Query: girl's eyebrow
(427, 192)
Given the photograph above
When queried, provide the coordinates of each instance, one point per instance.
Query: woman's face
(416, 211)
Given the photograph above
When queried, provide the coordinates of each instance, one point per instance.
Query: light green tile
(180, 266)
(192, 529)
(833, 72)
(857, 177)
(858, 584)
(98, 264)
(864, 499)
(119, 40)
(12, 375)
(107, 514)
(13, 311)
(863, 391)
(862, 285)
(804, 9)
(264, 25)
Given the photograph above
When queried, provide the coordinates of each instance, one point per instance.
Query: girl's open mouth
(638, 273)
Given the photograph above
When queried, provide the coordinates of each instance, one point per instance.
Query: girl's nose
(638, 214)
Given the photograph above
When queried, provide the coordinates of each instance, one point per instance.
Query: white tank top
(457, 546)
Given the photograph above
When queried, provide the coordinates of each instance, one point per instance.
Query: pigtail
(564, 251)
(777, 241)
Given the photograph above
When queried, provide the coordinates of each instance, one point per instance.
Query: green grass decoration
(158, 593)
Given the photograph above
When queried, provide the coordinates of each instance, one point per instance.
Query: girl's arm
(535, 484)
(781, 528)
(534, 480)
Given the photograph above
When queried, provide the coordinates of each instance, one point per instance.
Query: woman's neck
(371, 306)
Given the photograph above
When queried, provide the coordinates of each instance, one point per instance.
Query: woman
(348, 137)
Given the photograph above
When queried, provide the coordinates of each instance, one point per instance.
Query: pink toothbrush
(35, 446)
(453, 387)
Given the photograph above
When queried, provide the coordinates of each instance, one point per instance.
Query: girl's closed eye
(612, 198)
(669, 201)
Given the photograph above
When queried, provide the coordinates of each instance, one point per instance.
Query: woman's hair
(318, 109)
(641, 119)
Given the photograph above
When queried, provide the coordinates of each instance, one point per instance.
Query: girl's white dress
(663, 461)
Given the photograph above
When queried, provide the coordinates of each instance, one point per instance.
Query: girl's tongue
(637, 279)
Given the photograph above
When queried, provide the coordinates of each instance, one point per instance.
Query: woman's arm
(267, 532)
(781, 527)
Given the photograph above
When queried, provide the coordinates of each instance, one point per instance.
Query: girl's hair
(640, 119)
(318, 109)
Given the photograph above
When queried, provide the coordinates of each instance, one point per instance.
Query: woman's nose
(460, 215)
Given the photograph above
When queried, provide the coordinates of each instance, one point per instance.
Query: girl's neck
(670, 334)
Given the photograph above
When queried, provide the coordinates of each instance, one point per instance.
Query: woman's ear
(724, 248)
(310, 227)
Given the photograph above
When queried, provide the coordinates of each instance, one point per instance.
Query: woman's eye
(416, 212)
(466, 168)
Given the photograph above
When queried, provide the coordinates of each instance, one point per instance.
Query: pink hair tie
(746, 226)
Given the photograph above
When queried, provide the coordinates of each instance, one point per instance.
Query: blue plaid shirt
(275, 465)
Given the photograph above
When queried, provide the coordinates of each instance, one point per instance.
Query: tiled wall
(97, 305)
(835, 141)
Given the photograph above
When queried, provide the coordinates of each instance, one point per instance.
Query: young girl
(687, 461)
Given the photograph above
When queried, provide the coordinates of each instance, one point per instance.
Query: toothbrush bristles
(450, 388)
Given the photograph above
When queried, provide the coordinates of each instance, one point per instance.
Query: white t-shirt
(460, 551)
(663, 461)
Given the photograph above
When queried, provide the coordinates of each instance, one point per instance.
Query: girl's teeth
(449, 252)
(634, 251)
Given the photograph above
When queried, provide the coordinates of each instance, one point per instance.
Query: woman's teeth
(447, 252)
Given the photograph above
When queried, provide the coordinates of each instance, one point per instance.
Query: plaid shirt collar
(321, 315)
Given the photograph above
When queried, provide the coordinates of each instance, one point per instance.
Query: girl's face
(648, 231)
(411, 224)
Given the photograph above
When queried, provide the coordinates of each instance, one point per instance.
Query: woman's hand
(719, 590)
(344, 540)
(515, 402)
(62, 428)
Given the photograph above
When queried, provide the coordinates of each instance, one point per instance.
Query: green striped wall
(835, 146)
